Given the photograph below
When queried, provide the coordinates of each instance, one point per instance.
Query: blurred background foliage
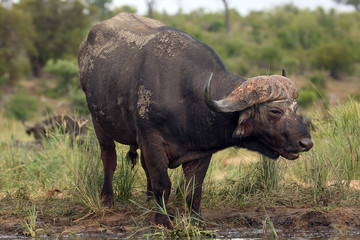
(40, 38)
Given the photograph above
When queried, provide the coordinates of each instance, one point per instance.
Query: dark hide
(144, 83)
(67, 124)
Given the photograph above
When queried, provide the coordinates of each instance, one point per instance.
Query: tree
(124, 8)
(336, 56)
(15, 40)
(58, 29)
(102, 6)
(150, 4)
(227, 17)
(303, 31)
(354, 3)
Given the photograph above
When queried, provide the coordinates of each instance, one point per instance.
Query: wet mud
(247, 222)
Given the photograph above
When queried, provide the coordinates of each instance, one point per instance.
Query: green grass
(31, 229)
(236, 178)
(335, 156)
(270, 222)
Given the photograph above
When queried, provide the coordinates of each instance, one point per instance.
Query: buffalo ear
(245, 126)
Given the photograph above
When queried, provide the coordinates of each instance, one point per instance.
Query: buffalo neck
(220, 126)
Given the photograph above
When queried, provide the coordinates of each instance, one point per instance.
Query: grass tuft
(31, 229)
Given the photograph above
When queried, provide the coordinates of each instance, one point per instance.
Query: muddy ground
(224, 223)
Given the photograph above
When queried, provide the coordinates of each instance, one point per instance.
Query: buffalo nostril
(306, 144)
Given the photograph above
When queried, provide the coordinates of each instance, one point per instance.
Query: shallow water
(233, 235)
(298, 235)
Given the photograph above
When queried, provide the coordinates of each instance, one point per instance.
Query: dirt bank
(225, 223)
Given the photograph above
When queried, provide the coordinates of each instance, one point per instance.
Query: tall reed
(335, 156)
(83, 171)
(125, 177)
(268, 173)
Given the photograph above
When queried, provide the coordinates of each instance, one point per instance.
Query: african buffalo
(66, 123)
(154, 87)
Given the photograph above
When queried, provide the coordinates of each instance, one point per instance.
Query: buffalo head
(39, 130)
(268, 122)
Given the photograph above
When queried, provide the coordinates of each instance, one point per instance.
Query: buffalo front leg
(108, 157)
(155, 161)
(195, 172)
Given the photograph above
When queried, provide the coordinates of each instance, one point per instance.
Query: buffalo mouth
(260, 147)
(269, 151)
(290, 155)
(287, 153)
(271, 154)
(275, 154)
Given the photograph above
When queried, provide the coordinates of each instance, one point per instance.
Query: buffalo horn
(25, 125)
(208, 100)
(255, 90)
(216, 106)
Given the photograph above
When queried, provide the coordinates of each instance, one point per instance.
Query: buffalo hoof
(164, 220)
(149, 196)
(198, 221)
(107, 201)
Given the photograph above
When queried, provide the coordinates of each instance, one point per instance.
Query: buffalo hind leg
(149, 192)
(132, 156)
(155, 160)
(195, 172)
(108, 157)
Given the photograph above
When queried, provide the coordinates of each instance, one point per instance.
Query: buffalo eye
(275, 113)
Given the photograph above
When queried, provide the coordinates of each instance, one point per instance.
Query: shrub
(307, 95)
(335, 56)
(233, 47)
(124, 8)
(270, 56)
(215, 26)
(78, 101)
(291, 64)
(301, 32)
(318, 80)
(21, 106)
(238, 66)
(66, 70)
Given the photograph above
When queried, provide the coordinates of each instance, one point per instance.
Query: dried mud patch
(231, 222)
(288, 222)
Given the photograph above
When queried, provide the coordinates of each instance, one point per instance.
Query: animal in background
(65, 123)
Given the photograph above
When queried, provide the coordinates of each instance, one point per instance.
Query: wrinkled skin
(144, 83)
(275, 122)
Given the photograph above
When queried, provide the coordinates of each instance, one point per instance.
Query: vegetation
(41, 39)
(38, 45)
(67, 71)
(36, 177)
(354, 3)
(265, 41)
(21, 106)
